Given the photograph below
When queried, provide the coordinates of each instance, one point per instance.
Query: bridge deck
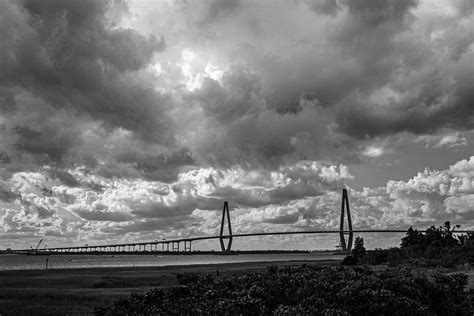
(191, 239)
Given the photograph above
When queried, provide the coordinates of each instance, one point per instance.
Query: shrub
(349, 260)
(306, 290)
(438, 247)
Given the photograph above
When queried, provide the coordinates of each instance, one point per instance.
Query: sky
(126, 121)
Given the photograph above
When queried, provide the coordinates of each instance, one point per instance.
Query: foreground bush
(304, 290)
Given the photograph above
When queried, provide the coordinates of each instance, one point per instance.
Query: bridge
(184, 244)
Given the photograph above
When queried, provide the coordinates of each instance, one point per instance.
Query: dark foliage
(438, 246)
(359, 250)
(357, 255)
(443, 236)
(349, 260)
(306, 290)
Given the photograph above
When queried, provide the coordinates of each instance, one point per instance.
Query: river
(23, 262)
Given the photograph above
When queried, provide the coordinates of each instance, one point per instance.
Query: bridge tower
(345, 207)
(225, 211)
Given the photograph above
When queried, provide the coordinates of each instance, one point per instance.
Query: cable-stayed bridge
(185, 244)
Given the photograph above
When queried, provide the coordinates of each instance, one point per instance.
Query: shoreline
(179, 266)
(63, 262)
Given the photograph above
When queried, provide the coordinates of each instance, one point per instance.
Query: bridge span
(184, 244)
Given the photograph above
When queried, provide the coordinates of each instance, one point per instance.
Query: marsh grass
(71, 292)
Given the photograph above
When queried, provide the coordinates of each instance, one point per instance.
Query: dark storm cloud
(221, 8)
(363, 56)
(374, 13)
(363, 49)
(238, 95)
(67, 60)
(437, 106)
(247, 129)
(324, 6)
(374, 34)
(46, 141)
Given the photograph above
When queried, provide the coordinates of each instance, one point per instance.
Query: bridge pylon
(345, 207)
(225, 211)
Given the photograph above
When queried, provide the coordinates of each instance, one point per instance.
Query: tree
(359, 250)
(412, 238)
(442, 236)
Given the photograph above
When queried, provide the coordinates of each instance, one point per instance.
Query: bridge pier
(186, 248)
(225, 211)
(175, 246)
(345, 207)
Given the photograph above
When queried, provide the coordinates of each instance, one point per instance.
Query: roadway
(191, 239)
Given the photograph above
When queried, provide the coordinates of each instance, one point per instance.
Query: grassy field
(79, 291)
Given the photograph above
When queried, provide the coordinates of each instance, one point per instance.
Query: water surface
(22, 262)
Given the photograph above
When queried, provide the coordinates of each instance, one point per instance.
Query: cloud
(451, 141)
(124, 117)
(373, 151)
(6, 194)
(445, 139)
(460, 206)
(429, 198)
(315, 84)
(79, 201)
(239, 126)
(324, 6)
(346, 71)
(71, 77)
(305, 195)
(98, 215)
(415, 95)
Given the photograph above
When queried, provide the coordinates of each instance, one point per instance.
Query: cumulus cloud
(304, 195)
(91, 203)
(430, 197)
